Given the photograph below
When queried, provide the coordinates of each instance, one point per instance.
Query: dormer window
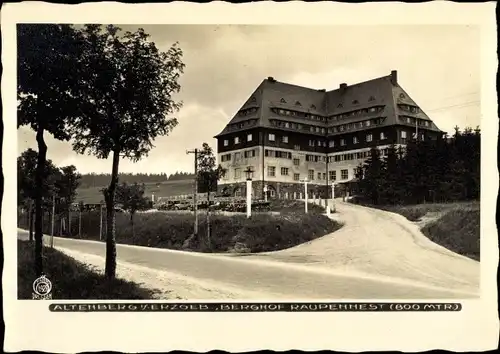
(371, 99)
(298, 103)
(253, 99)
(313, 106)
(355, 102)
(282, 100)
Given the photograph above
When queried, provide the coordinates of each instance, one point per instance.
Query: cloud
(438, 65)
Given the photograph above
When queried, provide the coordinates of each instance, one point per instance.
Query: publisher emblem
(42, 288)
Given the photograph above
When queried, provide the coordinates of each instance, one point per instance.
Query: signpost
(333, 196)
(305, 181)
(249, 173)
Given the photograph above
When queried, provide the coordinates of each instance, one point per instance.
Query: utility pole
(195, 190)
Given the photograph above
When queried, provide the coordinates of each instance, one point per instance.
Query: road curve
(384, 244)
(273, 279)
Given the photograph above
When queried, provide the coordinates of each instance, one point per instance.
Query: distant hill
(102, 179)
(93, 195)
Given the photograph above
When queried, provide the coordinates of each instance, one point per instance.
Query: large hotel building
(287, 133)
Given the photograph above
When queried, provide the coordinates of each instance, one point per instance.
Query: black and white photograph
(333, 165)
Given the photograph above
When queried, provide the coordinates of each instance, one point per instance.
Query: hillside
(93, 195)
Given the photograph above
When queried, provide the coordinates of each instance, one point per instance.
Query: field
(229, 233)
(94, 195)
(71, 279)
(455, 226)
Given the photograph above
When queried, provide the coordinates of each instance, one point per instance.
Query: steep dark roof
(383, 91)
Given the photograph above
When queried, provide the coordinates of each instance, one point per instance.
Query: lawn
(72, 279)
(457, 226)
(229, 233)
(164, 189)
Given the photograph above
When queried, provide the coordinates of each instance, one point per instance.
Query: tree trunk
(31, 214)
(109, 196)
(39, 179)
(209, 242)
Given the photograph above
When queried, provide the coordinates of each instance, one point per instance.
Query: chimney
(343, 86)
(394, 77)
(271, 79)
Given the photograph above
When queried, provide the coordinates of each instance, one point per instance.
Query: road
(359, 261)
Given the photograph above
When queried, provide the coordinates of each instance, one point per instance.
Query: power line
(460, 105)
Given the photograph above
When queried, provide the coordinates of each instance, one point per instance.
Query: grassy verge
(261, 233)
(456, 228)
(71, 279)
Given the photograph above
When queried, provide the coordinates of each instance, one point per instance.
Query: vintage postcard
(328, 168)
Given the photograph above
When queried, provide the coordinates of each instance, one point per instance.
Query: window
(311, 175)
(369, 137)
(344, 174)
(368, 123)
(237, 173)
(311, 143)
(342, 142)
(296, 147)
(237, 156)
(403, 135)
(355, 140)
(226, 142)
(371, 98)
(331, 143)
(226, 157)
(401, 95)
(324, 175)
(249, 137)
(282, 100)
(236, 140)
(284, 139)
(296, 176)
(319, 175)
(339, 105)
(333, 175)
(272, 137)
(249, 153)
(298, 103)
(355, 102)
(271, 171)
(313, 106)
(382, 136)
(426, 123)
(284, 171)
(296, 162)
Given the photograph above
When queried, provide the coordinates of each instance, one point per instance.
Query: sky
(438, 66)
